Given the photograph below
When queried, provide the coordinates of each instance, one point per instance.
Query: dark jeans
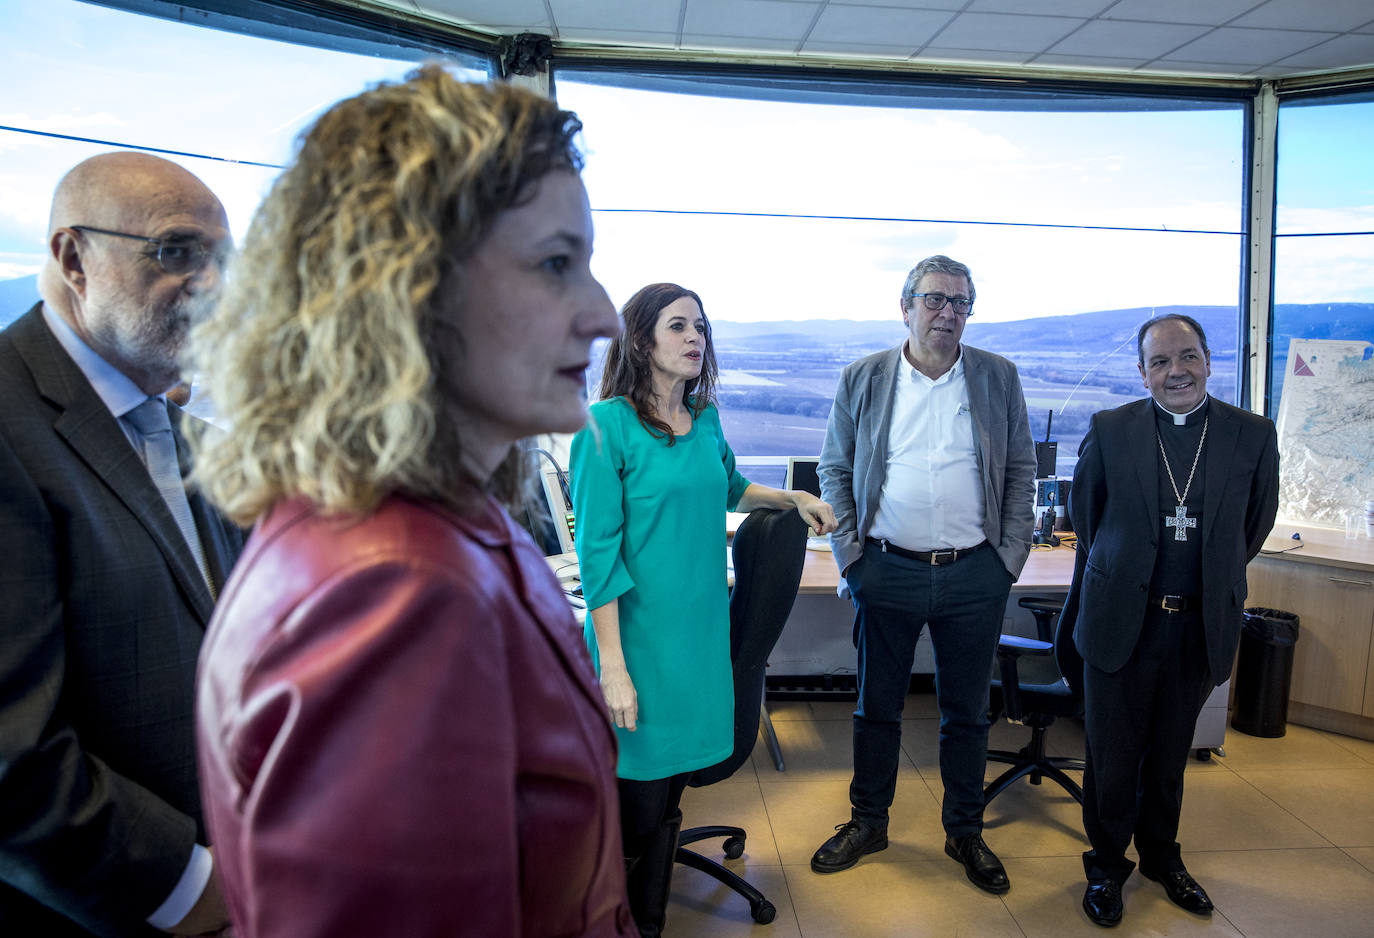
(1140, 724)
(963, 604)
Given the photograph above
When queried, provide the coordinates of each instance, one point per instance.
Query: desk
(1328, 583)
(565, 567)
(819, 619)
(1047, 570)
(818, 637)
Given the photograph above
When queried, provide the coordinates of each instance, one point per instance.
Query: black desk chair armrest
(1044, 609)
(1009, 649)
(1017, 646)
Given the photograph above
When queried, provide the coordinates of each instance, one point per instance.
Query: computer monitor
(801, 474)
(560, 508)
(1056, 490)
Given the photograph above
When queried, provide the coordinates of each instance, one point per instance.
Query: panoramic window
(796, 209)
(1321, 376)
(84, 79)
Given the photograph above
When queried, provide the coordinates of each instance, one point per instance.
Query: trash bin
(1264, 672)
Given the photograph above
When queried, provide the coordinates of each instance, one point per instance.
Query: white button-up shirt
(932, 497)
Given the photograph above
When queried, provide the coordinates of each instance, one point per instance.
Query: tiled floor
(1279, 831)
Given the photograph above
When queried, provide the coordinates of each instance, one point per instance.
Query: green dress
(651, 533)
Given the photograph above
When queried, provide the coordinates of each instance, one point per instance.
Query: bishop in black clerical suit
(1171, 498)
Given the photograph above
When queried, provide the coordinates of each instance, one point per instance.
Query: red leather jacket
(401, 734)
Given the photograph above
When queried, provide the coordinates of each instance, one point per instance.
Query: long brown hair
(629, 359)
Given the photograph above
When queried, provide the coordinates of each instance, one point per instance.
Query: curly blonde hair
(322, 357)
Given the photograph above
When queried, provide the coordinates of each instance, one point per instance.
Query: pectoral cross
(1180, 522)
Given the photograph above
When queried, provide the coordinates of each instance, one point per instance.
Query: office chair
(769, 551)
(1038, 680)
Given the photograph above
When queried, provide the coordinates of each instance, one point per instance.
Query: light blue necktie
(160, 456)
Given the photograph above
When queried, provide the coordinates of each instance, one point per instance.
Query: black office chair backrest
(769, 551)
(1065, 651)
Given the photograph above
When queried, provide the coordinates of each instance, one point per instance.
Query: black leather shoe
(855, 838)
(1182, 890)
(1102, 902)
(982, 866)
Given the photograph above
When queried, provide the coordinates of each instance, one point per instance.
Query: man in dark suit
(110, 565)
(1171, 498)
(929, 465)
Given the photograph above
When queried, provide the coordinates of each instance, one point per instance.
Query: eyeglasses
(936, 302)
(176, 256)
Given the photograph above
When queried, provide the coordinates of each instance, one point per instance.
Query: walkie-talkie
(1046, 533)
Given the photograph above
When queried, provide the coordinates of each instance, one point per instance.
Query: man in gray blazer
(929, 464)
(110, 565)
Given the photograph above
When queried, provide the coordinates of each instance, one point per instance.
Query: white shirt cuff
(187, 891)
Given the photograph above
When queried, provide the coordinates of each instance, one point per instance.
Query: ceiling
(1204, 38)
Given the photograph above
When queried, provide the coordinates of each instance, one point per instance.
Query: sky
(654, 158)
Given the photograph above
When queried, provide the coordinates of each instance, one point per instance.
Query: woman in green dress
(652, 478)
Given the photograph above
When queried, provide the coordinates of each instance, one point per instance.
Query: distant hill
(1101, 329)
(805, 332)
(1098, 330)
(16, 296)
(1082, 330)
(1325, 320)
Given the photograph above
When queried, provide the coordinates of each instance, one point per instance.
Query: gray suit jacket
(853, 462)
(102, 612)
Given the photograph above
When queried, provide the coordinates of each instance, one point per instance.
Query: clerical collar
(1191, 418)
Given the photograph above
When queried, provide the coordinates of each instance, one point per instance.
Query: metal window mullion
(1263, 152)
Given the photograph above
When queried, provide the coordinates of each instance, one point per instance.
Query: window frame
(324, 26)
(862, 86)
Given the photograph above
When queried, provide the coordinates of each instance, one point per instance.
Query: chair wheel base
(763, 912)
(734, 848)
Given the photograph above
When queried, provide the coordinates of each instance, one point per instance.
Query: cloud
(19, 265)
(1345, 218)
(762, 269)
(76, 123)
(1324, 270)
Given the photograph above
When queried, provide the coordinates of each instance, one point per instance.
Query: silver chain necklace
(1180, 522)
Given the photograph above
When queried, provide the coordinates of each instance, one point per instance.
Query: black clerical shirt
(1178, 563)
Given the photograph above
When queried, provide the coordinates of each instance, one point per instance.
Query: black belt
(1173, 603)
(936, 558)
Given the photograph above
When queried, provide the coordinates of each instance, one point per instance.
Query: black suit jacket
(101, 619)
(1114, 506)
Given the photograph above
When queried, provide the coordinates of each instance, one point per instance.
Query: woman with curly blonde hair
(400, 730)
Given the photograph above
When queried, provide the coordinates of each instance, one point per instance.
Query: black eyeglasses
(176, 256)
(936, 302)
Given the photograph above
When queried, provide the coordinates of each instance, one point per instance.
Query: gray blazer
(102, 612)
(853, 462)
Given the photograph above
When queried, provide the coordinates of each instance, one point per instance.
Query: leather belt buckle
(936, 558)
(1173, 603)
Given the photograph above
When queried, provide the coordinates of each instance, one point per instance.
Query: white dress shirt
(932, 497)
(114, 388)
